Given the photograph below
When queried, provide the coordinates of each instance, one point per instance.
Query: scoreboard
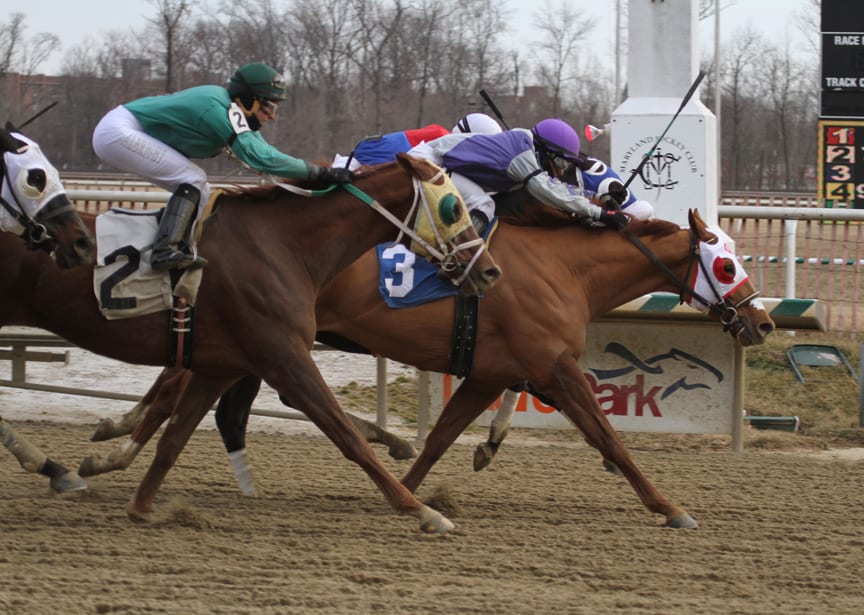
(841, 125)
(841, 163)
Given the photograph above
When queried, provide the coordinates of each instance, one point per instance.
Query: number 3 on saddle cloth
(404, 280)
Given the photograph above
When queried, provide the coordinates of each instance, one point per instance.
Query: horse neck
(328, 232)
(626, 273)
(33, 290)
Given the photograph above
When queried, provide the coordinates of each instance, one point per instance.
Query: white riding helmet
(477, 122)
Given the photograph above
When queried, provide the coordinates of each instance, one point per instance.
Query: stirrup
(176, 260)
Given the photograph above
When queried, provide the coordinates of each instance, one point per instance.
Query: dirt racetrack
(543, 530)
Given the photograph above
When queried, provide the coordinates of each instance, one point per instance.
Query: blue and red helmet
(556, 138)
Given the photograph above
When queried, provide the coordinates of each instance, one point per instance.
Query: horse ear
(700, 228)
(7, 142)
(405, 161)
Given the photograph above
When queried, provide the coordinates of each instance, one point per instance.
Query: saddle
(126, 286)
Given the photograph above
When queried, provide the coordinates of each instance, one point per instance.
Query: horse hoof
(88, 467)
(433, 522)
(68, 482)
(609, 466)
(682, 522)
(482, 456)
(402, 450)
(138, 514)
(104, 431)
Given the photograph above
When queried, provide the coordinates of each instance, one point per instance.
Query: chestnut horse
(270, 253)
(531, 328)
(34, 206)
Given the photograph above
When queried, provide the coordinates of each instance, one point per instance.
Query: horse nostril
(492, 274)
(766, 328)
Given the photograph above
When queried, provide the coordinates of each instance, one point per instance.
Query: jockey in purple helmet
(481, 164)
(592, 177)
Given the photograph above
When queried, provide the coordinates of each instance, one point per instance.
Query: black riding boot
(171, 235)
(479, 220)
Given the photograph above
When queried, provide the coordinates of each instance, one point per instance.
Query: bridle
(724, 309)
(34, 233)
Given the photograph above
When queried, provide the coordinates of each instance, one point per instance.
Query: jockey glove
(336, 175)
(618, 192)
(613, 218)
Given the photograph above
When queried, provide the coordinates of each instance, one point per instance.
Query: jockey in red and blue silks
(383, 148)
(481, 164)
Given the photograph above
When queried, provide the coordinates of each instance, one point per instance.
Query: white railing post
(790, 228)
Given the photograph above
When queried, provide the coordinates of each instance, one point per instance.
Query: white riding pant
(639, 209)
(120, 141)
(474, 195)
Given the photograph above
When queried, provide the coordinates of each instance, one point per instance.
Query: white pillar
(663, 62)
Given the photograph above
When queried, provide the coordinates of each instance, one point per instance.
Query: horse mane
(268, 192)
(654, 226)
(519, 208)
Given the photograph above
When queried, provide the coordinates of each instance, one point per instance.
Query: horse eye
(37, 179)
(724, 270)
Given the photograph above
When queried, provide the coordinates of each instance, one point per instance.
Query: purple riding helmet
(557, 144)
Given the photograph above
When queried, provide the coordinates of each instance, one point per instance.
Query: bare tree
(256, 32)
(563, 31)
(422, 38)
(323, 36)
(171, 17)
(746, 47)
(377, 56)
(21, 54)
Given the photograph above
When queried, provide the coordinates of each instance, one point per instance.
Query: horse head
(34, 204)
(721, 287)
(443, 231)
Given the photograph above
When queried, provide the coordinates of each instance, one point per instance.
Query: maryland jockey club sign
(679, 170)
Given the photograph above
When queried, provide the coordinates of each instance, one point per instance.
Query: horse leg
(232, 417)
(304, 388)
(498, 430)
(397, 448)
(467, 403)
(575, 399)
(195, 401)
(107, 428)
(62, 480)
(162, 396)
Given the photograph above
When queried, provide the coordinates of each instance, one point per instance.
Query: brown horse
(34, 206)
(270, 252)
(531, 328)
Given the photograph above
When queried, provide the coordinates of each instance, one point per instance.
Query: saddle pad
(124, 284)
(406, 280)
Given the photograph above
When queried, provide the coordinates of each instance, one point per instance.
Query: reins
(446, 251)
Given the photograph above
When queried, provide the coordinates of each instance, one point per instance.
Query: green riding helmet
(258, 80)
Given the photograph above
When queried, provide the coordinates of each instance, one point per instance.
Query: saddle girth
(464, 336)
